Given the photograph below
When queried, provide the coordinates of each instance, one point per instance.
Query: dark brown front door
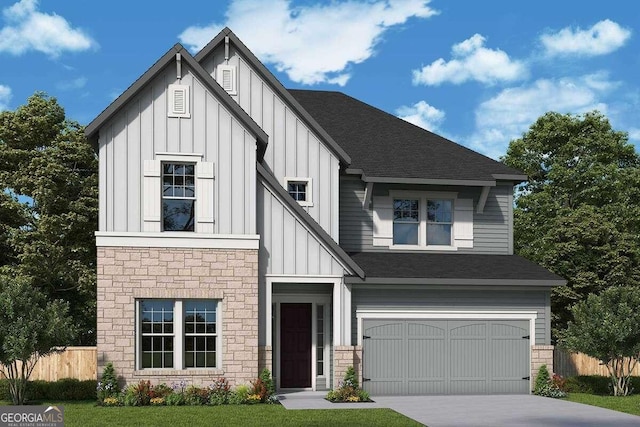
(295, 345)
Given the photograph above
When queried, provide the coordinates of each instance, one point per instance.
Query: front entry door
(295, 345)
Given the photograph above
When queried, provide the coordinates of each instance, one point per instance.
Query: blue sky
(476, 72)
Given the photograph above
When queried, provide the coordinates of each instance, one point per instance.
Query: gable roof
(320, 233)
(384, 146)
(277, 86)
(91, 131)
(454, 269)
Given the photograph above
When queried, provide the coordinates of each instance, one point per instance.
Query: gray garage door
(403, 357)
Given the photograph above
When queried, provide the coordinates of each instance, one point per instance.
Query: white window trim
(422, 197)
(309, 193)
(178, 336)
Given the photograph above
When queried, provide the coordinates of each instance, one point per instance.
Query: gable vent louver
(179, 101)
(226, 77)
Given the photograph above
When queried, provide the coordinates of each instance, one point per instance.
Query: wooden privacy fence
(74, 362)
(570, 364)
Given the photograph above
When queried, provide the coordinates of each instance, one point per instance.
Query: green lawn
(628, 404)
(87, 414)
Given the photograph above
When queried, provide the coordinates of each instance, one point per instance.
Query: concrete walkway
(478, 411)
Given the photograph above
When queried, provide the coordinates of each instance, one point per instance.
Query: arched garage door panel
(445, 356)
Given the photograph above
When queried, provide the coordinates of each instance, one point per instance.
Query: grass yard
(628, 404)
(87, 414)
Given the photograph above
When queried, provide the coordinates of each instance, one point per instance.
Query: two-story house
(244, 225)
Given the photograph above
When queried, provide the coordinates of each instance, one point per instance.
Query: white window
(178, 196)
(300, 189)
(422, 220)
(178, 334)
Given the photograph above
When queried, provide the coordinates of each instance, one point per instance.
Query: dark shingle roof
(471, 268)
(382, 145)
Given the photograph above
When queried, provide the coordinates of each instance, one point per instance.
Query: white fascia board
(178, 240)
(453, 282)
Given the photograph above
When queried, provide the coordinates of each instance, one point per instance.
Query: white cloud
(634, 134)
(510, 113)
(602, 38)
(74, 84)
(29, 29)
(311, 43)
(422, 114)
(5, 97)
(471, 61)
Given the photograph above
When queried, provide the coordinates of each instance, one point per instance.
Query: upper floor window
(300, 189)
(439, 222)
(406, 221)
(178, 196)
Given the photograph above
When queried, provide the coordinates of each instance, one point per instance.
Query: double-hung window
(178, 334)
(439, 222)
(406, 221)
(178, 196)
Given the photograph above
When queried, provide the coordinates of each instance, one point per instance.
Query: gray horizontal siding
(414, 298)
(490, 229)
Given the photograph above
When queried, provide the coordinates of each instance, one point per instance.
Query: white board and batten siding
(294, 150)
(135, 140)
(288, 246)
(490, 230)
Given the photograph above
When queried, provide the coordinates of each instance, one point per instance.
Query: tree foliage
(31, 326)
(607, 327)
(45, 158)
(578, 214)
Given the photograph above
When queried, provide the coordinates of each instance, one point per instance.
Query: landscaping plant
(349, 389)
(545, 386)
(108, 384)
(607, 327)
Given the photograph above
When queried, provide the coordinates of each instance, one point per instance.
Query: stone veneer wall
(129, 273)
(265, 358)
(541, 355)
(343, 357)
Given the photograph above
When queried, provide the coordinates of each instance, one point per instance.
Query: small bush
(240, 395)
(593, 384)
(349, 390)
(157, 401)
(161, 390)
(219, 392)
(108, 384)
(111, 401)
(196, 396)
(4, 390)
(545, 387)
(138, 394)
(350, 378)
(175, 399)
(267, 380)
(64, 389)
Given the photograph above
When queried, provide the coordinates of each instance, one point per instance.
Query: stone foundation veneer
(265, 358)
(343, 357)
(541, 355)
(129, 273)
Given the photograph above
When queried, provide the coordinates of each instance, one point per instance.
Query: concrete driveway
(503, 410)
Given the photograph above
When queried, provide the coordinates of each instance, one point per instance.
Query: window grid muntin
(157, 349)
(406, 216)
(320, 340)
(178, 196)
(439, 214)
(200, 337)
(297, 190)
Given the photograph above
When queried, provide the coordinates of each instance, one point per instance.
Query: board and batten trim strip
(178, 240)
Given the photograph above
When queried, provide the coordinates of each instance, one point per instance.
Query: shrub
(196, 396)
(110, 401)
(267, 380)
(138, 394)
(161, 390)
(219, 392)
(63, 389)
(349, 390)
(593, 384)
(559, 382)
(157, 401)
(175, 399)
(240, 395)
(545, 387)
(108, 384)
(4, 390)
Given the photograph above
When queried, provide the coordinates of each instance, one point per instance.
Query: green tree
(607, 327)
(578, 214)
(31, 327)
(45, 157)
